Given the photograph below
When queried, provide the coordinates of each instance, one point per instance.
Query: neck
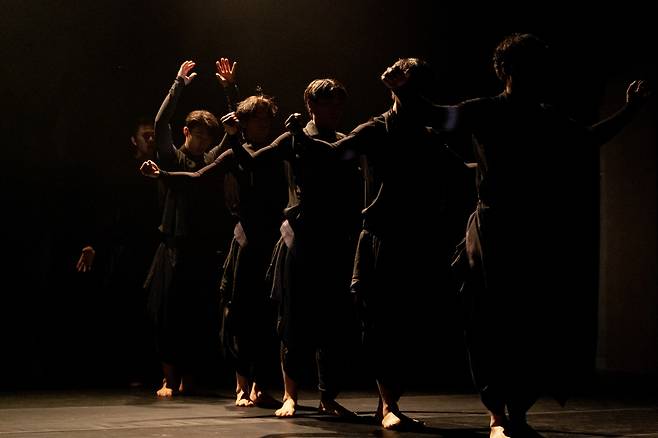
(143, 156)
(187, 150)
(323, 129)
(404, 112)
(397, 106)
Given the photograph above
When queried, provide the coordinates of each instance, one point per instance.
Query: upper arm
(450, 118)
(361, 140)
(276, 151)
(164, 142)
(215, 169)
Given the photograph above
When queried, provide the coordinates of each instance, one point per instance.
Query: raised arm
(164, 143)
(637, 94)
(219, 149)
(226, 74)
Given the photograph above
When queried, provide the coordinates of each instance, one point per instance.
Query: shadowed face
(257, 127)
(144, 142)
(197, 139)
(394, 77)
(327, 111)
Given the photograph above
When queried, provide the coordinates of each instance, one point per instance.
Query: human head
(143, 138)
(413, 75)
(325, 102)
(523, 63)
(200, 128)
(256, 114)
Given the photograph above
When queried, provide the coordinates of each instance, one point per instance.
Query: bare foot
(498, 424)
(288, 409)
(391, 421)
(263, 400)
(332, 407)
(165, 391)
(399, 421)
(498, 432)
(242, 400)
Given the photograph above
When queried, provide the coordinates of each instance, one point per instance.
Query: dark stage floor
(137, 413)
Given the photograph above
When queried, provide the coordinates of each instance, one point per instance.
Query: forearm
(213, 169)
(243, 157)
(360, 141)
(605, 130)
(219, 149)
(232, 96)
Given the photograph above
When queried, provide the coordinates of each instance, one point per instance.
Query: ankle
(497, 420)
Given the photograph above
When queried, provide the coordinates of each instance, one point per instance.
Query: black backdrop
(74, 73)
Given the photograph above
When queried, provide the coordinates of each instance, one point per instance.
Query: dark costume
(518, 260)
(122, 218)
(311, 270)
(129, 240)
(392, 275)
(183, 278)
(256, 200)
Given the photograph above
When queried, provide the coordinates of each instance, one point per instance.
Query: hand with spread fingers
(184, 71)
(226, 71)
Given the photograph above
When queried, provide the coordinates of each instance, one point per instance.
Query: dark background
(76, 73)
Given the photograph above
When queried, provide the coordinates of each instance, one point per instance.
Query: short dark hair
(251, 104)
(421, 78)
(139, 122)
(323, 88)
(519, 51)
(202, 119)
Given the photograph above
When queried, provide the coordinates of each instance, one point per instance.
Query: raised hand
(226, 71)
(638, 92)
(231, 123)
(86, 260)
(184, 70)
(150, 169)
